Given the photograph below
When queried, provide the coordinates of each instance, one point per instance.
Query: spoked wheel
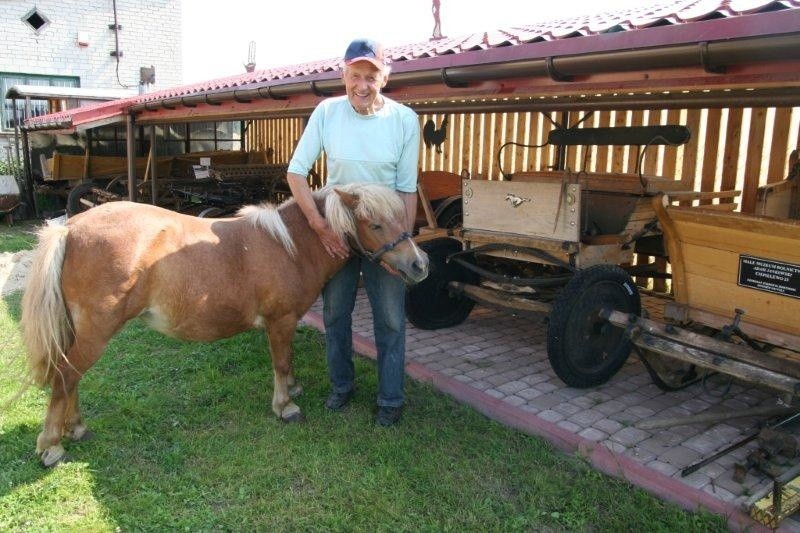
(451, 216)
(429, 304)
(212, 212)
(82, 197)
(584, 349)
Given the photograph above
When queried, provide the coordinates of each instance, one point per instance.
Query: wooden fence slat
(466, 144)
(487, 149)
(511, 135)
(755, 147)
(710, 151)
(780, 139)
(618, 152)
(670, 158)
(637, 119)
(650, 165)
(730, 159)
(603, 152)
(690, 149)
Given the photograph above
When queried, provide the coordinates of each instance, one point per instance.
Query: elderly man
(366, 137)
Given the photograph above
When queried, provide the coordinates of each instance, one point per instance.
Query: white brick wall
(150, 35)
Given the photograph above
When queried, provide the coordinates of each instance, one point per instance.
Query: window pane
(201, 131)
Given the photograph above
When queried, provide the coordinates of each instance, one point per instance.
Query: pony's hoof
(292, 413)
(53, 455)
(80, 433)
(295, 390)
(294, 418)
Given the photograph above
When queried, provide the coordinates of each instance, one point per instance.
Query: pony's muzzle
(417, 270)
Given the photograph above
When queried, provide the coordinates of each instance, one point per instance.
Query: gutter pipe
(713, 57)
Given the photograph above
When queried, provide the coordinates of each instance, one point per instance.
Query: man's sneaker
(388, 416)
(338, 400)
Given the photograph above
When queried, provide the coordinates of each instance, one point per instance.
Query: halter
(355, 243)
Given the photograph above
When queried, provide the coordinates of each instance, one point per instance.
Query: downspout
(116, 53)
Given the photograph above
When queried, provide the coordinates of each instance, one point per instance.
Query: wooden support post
(153, 166)
(30, 192)
(130, 150)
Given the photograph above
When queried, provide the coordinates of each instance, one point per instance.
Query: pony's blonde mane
(266, 216)
(376, 203)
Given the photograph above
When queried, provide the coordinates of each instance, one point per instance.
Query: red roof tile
(668, 12)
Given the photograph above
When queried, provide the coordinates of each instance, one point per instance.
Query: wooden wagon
(736, 307)
(552, 242)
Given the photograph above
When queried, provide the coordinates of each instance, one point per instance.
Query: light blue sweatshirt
(381, 148)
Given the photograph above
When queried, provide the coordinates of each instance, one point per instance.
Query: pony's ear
(348, 199)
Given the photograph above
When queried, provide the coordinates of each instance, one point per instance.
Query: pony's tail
(46, 329)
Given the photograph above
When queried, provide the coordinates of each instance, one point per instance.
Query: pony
(194, 279)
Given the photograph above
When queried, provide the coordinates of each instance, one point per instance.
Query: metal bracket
(450, 83)
(554, 74)
(240, 99)
(270, 94)
(705, 60)
(318, 92)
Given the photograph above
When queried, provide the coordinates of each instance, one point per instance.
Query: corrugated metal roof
(664, 13)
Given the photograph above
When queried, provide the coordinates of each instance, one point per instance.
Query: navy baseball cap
(365, 50)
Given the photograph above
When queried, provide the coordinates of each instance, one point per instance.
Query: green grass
(17, 237)
(185, 439)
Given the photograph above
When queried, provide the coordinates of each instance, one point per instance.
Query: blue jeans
(387, 298)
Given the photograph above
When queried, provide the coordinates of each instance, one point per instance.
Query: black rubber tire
(451, 216)
(585, 350)
(429, 304)
(82, 190)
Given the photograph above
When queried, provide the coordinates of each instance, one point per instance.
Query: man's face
(363, 82)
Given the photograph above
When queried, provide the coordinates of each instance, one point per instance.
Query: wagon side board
(727, 261)
(548, 209)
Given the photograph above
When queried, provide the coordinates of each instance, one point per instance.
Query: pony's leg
(48, 444)
(63, 412)
(74, 428)
(295, 389)
(281, 333)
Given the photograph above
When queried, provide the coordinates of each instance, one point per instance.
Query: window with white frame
(37, 107)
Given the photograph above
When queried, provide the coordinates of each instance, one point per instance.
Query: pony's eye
(375, 227)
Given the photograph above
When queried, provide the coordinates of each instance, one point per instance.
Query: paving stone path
(505, 357)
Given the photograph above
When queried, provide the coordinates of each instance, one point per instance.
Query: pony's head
(371, 218)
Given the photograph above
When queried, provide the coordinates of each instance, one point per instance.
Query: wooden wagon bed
(739, 276)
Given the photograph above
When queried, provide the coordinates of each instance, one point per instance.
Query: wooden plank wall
(739, 148)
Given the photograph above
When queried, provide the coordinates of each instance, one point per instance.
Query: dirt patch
(14, 269)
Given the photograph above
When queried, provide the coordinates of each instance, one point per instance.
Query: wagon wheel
(429, 304)
(584, 349)
(81, 198)
(211, 212)
(451, 216)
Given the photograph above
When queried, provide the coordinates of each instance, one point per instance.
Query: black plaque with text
(768, 275)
